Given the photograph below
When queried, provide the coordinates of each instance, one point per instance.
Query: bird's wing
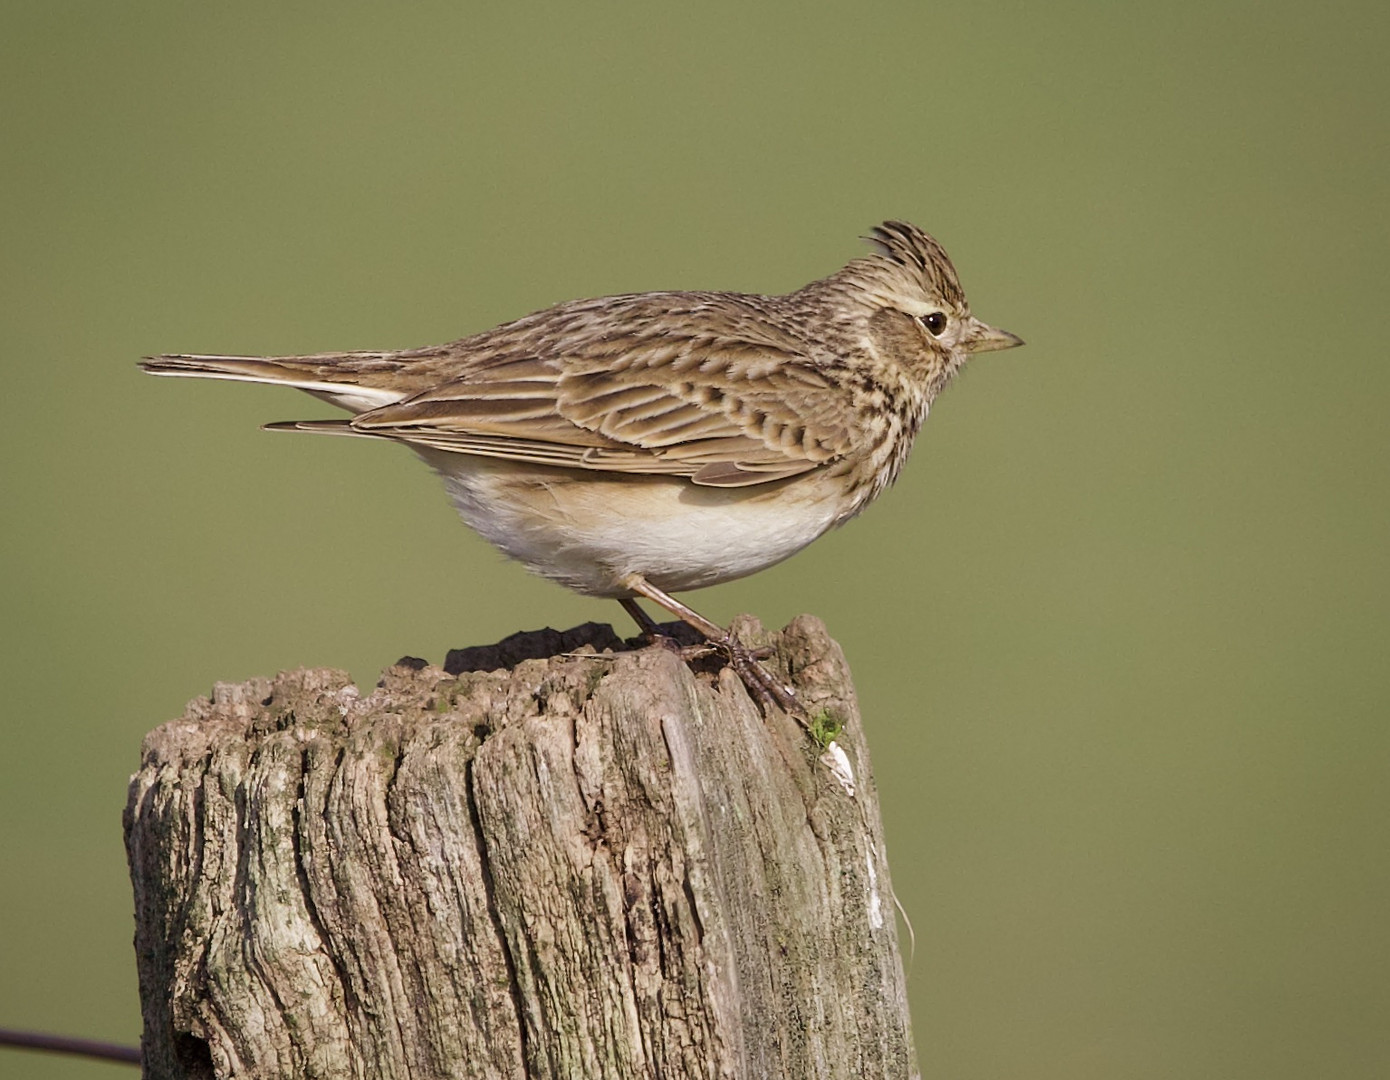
(722, 399)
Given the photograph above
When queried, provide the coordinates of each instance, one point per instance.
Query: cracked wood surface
(591, 864)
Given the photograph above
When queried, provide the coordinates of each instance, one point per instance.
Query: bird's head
(915, 308)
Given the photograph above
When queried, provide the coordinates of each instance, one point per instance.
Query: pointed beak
(981, 337)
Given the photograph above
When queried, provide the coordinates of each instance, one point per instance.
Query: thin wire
(62, 1044)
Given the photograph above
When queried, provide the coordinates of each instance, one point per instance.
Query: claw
(766, 689)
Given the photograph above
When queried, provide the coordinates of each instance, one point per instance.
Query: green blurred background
(1120, 632)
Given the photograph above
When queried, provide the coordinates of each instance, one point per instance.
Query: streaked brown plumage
(644, 444)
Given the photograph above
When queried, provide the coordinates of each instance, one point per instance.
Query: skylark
(642, 445)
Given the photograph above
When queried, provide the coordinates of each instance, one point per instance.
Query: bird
(647, 444)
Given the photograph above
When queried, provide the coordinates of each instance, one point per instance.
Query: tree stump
(554, 857)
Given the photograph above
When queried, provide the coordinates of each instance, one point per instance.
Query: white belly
(590, 532)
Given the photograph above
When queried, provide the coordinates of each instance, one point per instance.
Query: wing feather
(701, 386)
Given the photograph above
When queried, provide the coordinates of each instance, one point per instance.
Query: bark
(590, 863)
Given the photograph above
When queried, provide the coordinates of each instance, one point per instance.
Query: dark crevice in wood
(193, 1056)
(495, 915)
(694, 907)
(351, 1005)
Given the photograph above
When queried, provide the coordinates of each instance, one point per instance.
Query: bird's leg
(652, 633)
(644, 622)
(765, 686)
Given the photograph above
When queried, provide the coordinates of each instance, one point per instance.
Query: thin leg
(644, 622)
(766, 687)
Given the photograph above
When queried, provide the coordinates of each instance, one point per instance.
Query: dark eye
(935, 323)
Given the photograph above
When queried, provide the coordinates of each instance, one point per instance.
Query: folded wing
(695, 385)
(724, 405)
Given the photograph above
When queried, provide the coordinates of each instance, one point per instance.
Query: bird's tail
(312, 374)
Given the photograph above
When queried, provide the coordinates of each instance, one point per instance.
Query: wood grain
(590, 864)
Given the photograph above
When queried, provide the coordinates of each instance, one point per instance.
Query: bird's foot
(767, 689)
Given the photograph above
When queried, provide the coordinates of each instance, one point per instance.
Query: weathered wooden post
(590, 863)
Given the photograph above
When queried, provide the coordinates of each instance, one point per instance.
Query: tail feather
(253, 368)
(322, 427)
(349, 395)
